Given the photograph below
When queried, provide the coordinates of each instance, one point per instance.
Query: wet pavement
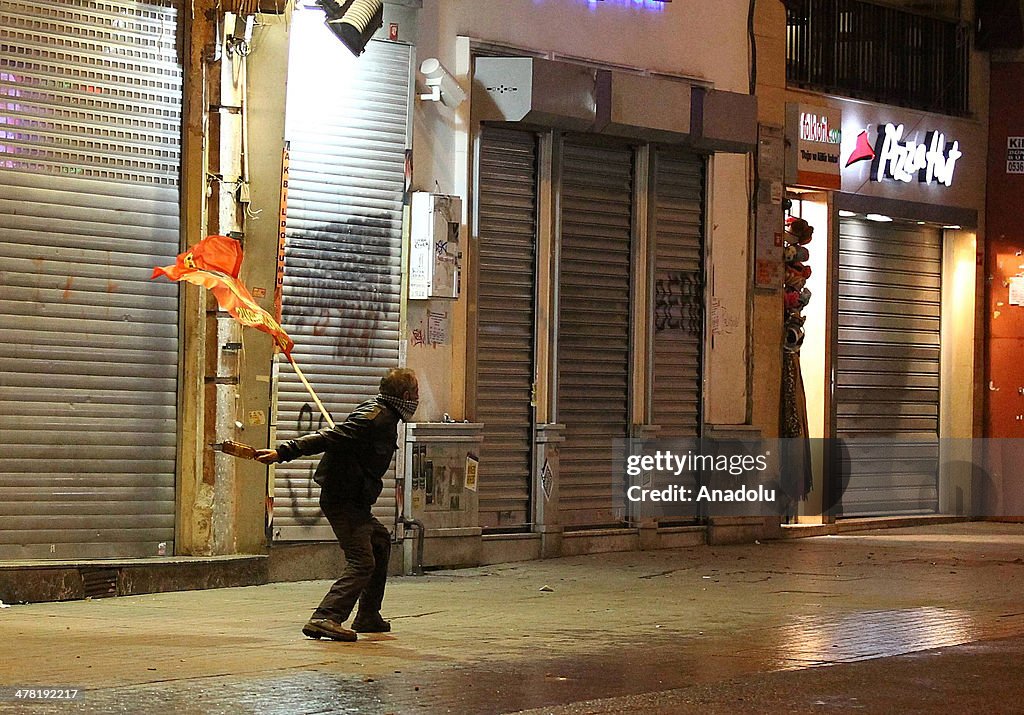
(907, 620)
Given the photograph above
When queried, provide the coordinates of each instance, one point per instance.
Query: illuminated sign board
(815, 128)
(813, 137)
(896, 157)
(655, 5)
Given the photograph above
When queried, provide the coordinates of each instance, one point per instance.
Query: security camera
(442, 85)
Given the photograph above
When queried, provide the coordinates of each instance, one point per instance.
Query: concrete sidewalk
(538, 634)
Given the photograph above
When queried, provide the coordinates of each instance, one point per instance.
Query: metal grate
(678, 293)
(90, 110)
(99, 583)
(887, 368)
(883, 54)
(91, 90)
(506, 314)
(343, 261)
(594, 327)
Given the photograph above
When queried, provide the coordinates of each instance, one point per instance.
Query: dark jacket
(357, 454)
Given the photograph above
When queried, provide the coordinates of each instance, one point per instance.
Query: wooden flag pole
(323, 410)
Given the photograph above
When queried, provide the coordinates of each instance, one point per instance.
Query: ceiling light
(952, 227)
(878, 217)
(846, 214)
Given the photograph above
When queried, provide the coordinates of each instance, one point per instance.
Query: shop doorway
(347, 131)
(886, 366)
(89, 204)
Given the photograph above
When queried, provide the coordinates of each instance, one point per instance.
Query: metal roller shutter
(347, 126)
(678, 293)
(594, 328)
(505, 333)
(887, 372)
(90, 131)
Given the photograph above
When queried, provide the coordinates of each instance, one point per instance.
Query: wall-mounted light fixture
(442, 85)
(353, 21)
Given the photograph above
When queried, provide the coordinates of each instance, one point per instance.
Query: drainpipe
(417, 566)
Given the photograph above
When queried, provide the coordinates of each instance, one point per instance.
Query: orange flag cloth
(213, 263)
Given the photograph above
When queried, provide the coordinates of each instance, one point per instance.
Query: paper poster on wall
(1016, 290)
(1015, 155)
(768, 234)
(440, 476)
(472, 465)
(437, 327)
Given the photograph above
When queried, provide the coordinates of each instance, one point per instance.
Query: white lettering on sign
(815, 129)
(932, 160)
(1015, 142)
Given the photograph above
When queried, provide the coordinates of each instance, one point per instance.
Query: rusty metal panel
(347, 129)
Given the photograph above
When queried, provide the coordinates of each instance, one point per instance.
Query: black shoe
(326, 628)
(370, 624)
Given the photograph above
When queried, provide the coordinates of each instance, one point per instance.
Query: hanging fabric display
(796, 475)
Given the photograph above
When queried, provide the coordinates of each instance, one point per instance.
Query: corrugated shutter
(505, 324)
(594, 328)
(678, 293)
(887, 372)
(347, 126)
(89, 149)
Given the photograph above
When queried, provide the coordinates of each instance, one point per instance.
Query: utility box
(441, 459)
(439, 486)
(435, 255)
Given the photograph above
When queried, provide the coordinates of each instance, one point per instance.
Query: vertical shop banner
(282, 233)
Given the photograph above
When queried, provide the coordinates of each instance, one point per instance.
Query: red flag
(213, 263)
(213, 253)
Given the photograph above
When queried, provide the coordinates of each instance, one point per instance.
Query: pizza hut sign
(895, 158)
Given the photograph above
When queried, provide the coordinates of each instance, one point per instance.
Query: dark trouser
(367, 547)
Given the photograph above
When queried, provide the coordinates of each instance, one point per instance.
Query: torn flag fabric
(213, 263)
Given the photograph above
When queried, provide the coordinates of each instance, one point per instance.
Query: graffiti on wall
(340, 284)
(678, 300)
(341, 288)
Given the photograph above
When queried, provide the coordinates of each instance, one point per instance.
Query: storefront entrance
(89, 204)
(597, 286)
(887, 368)
(347, 137)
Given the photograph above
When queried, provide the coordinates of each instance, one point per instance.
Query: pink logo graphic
(862, 151)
